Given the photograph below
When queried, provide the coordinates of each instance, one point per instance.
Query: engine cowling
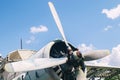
(57, 49)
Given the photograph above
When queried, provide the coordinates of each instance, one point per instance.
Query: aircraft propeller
(81, 75)
(58, 22)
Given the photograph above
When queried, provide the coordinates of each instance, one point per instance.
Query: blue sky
(88, 22)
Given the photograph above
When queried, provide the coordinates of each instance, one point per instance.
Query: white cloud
(83, 47)
(32, 39)
(35, 30)
(108, 28)
(112, 13)
(115, 56)
(38, 29)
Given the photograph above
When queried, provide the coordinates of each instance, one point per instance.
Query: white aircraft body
(58, 60)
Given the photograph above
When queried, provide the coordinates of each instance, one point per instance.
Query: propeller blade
(95, 54)
(33, 64)
(81, 75)
(58, 22)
